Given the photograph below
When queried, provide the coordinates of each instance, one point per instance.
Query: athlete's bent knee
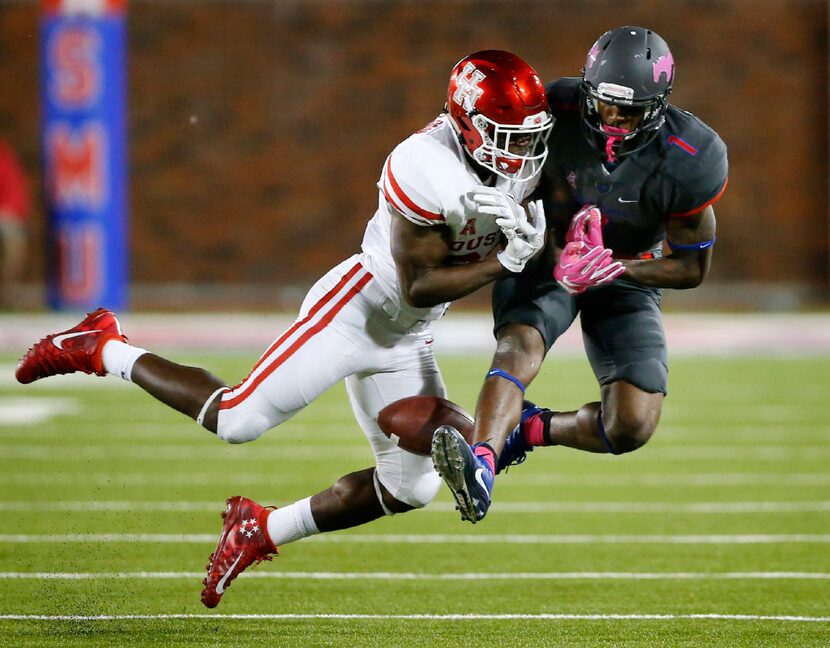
(415, 492)
(243, 427)
(626, 434)
(423, 490)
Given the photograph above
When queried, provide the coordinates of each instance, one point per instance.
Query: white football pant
(341, 333)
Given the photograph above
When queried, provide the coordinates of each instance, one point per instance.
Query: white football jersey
(426, 178)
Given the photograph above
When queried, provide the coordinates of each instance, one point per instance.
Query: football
(411, 421)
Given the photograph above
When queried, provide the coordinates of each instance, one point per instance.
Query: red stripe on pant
(311, 332)
(314, 310)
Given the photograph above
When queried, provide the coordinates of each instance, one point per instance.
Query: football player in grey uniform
(629, 186)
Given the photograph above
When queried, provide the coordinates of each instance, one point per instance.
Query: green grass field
(717, 533)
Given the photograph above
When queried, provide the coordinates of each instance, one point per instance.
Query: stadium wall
(258, 129)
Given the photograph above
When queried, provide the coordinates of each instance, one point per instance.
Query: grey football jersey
(680, 172)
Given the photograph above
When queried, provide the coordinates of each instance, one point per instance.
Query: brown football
(411, 421)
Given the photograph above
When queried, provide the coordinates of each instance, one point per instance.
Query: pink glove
(586, 225)
(581, 267)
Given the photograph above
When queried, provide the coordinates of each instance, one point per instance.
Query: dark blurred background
(257, 131)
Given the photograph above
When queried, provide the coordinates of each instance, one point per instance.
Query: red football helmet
(497, 104)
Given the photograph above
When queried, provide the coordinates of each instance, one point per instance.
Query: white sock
(292, 523)
(119, 357)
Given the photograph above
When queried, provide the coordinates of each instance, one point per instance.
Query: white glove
(509, 214)
(524, 242)
(524, 239)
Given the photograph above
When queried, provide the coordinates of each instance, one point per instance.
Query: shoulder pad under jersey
(412, 179)
(694, 162)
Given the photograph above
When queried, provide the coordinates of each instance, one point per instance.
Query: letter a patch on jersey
(469, 228)
(467, 91)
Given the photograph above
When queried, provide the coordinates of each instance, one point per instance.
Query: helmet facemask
(529, 142)
(615, 141)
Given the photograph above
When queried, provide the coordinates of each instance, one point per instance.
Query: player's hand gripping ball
(410, 422)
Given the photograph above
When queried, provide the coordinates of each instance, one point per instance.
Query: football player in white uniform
(450, 220)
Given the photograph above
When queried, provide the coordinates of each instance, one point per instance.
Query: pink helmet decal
(663, 65)
(592, 56)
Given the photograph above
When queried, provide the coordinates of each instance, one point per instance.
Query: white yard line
(24, 411)
(417, 617)
(647, 507)
(669, 479)
(354, 538)
(218, 451)
(716, 452)
(215, 450)
(413, 576)
(442, 507)
(512, 479)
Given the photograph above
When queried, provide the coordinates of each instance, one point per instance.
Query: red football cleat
(77, 349)
(244, 540)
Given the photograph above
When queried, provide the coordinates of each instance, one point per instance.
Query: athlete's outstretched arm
(420, 254)
(691, 255)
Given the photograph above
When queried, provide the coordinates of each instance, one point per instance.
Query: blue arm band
(504, 374)
(692, 246)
